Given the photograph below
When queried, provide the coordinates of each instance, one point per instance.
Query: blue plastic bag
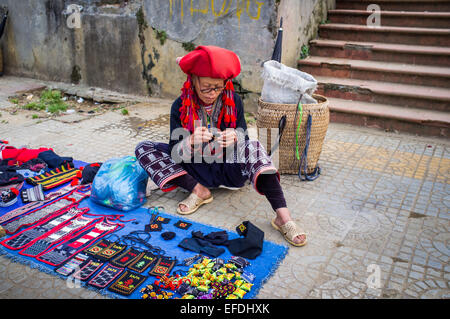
(120, 183)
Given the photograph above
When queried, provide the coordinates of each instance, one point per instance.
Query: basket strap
(297, 134)
(304, 159)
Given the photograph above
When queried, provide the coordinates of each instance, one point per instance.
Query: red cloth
(19, 156)
(211, 61)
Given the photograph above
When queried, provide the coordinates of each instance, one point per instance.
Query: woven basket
(269, 115)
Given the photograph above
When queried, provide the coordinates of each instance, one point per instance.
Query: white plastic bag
(120, 183)
(285, 85)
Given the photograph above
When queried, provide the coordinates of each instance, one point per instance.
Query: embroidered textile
(75, 263)
(163, 267)
(63, 174)
(87, 270)
(66, 249)
(33, 194)
(126, 257)
(105, 276)
(145, 260)
(127, 283)
(26, 236)
(49, 197)
(57, 234)
(35, 215)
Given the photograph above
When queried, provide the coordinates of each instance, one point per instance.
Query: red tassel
(229, 85)
(15, 190)
(74, 182)
(79, 174)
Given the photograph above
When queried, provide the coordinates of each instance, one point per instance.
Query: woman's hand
(200, 135)
(227, 137)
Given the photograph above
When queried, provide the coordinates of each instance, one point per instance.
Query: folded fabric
(32, 194)
(8, 178)
(55, 177)
(53, 160)
(89, 171)
(215, 238)
(18, 156)
(251, 245)
(201, 246)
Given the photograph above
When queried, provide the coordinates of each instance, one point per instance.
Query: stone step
(397, 5)
(390, 117)
(402, 35)
(377, 51)
(377, 71)
(405, 95)
(392, 18)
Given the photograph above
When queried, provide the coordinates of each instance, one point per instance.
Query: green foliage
(188, 46)
(304, 52)
(141, 19)
(124, 112)
(50, 100)
(161, 35)
(249, 118)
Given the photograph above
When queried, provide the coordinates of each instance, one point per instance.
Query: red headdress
(214, 62)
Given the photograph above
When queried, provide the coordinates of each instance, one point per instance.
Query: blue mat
(262, 267)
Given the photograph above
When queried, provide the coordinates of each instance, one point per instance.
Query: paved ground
(380, 207)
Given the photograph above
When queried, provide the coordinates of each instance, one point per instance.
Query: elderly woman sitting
(209, 146)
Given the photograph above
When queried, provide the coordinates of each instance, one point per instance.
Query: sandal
(193, 202)
(290, 230)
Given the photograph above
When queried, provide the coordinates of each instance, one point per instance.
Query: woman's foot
(199, 190)
(283, 216)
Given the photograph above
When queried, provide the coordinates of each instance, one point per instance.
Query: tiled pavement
(380, 207)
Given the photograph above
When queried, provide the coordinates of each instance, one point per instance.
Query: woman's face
(208, 89)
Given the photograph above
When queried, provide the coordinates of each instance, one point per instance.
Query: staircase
(395, 76)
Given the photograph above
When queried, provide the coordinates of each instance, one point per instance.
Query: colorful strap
(48, 198)
(76, 243)
(58, 176)
(58, 234)
(26, 236)
(43, 212)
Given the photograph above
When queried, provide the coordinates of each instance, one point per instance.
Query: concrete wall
(131, 46)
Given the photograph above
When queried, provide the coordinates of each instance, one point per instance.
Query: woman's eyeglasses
(216, 90)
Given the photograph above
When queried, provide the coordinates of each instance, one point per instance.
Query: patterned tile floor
(377, 218)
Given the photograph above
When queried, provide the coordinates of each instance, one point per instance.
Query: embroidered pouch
(113, 250)
(97, 247)
(182, 224)
(145, 260)
(88, 270)
(127, 283)
(162, 267)
(126, 257)
(105, 276)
